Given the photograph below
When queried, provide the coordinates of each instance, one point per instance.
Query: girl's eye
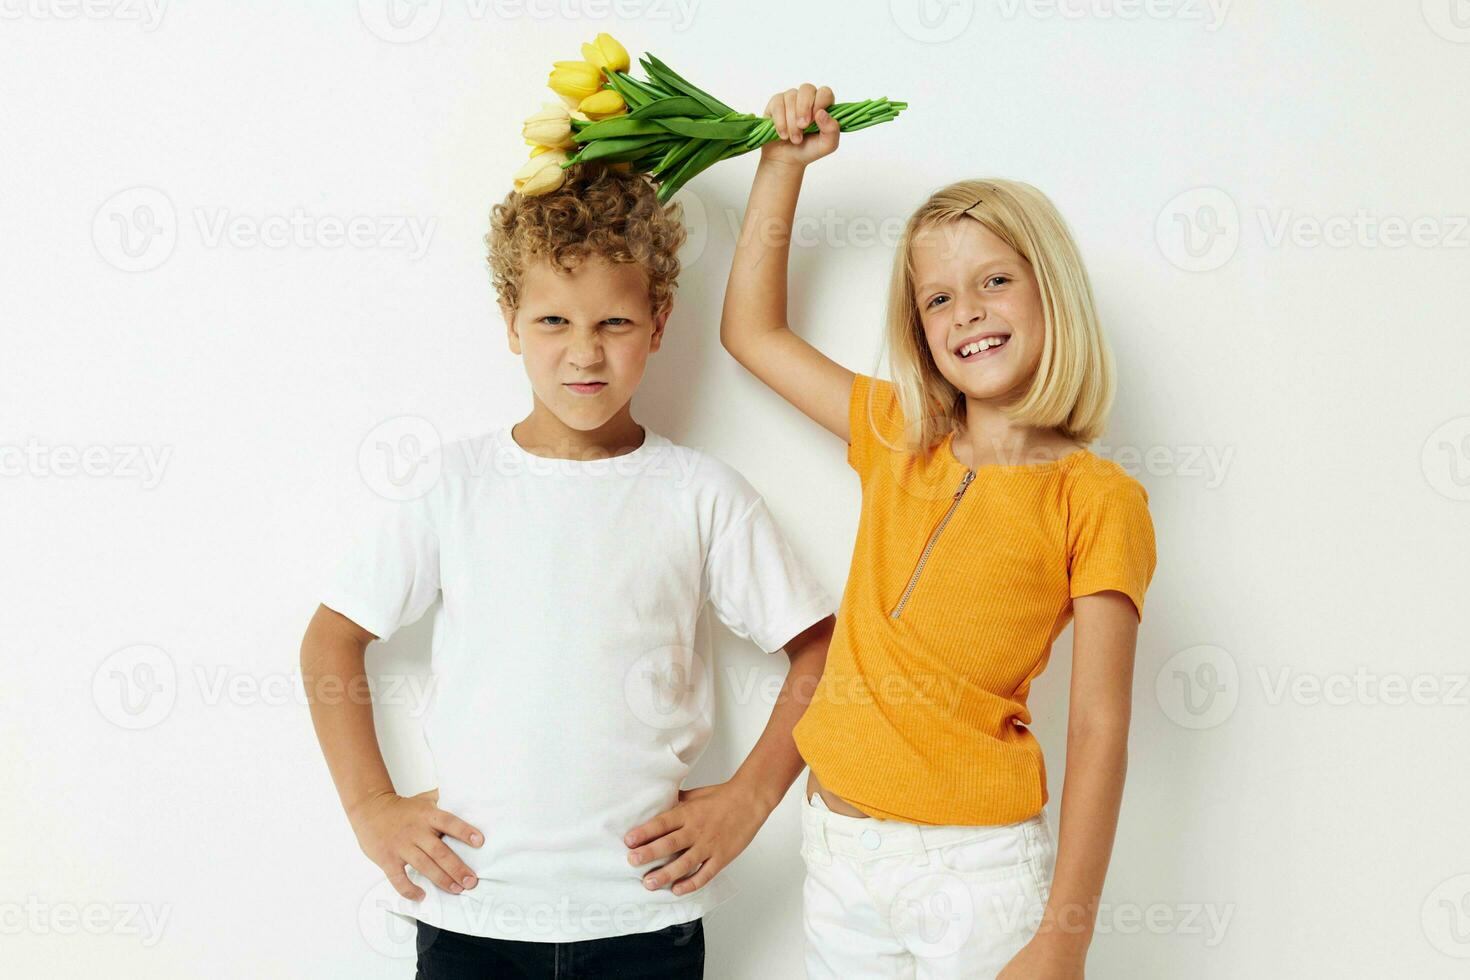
(1002, 279)
(934, 300)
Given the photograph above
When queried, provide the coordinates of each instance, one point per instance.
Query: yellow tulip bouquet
(662, 125)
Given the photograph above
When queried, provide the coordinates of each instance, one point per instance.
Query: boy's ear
(509, 316)
(658, 326)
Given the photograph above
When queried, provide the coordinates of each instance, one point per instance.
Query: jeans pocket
(983, 857)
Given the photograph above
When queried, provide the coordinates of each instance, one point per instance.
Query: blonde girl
(986, 526)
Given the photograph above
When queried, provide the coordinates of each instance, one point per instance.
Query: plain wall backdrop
(1272, 200)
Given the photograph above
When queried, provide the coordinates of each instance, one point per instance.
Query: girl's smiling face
(970, 289)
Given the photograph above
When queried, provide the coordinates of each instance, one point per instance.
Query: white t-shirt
(572, 686)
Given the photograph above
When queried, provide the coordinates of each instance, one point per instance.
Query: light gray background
(1292, 394)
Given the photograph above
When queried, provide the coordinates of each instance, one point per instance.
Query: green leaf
(707, 129)
(633, 96)
(676, 155)
(615, 150)
(708, 153)
(620, 126)
(679, 105)
(665, 74)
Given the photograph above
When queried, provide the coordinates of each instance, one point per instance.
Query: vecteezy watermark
(668, 688)
(400, 458)
(147, 14)
(1206, 463)
(138, 686)
(1210, 13)
(137, 230)
(1445, 917)
(407, 21)
(1364, 687)
(143, 463)
(1200, 229)
(1198, 687)
(38, 917)
(135, 687)
(1446, 459)
(932, 21)
(403, 458)
(1450, 19)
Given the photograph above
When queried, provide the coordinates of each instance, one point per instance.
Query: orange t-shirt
(959, 585)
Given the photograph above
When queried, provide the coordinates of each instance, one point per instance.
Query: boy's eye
(617, 321)
(548, 319)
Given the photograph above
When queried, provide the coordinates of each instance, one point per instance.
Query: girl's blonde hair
(1073, 386)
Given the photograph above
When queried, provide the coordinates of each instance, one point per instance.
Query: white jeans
(885, 898)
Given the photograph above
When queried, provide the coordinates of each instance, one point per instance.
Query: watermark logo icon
(400, 458)
(1445, 917)
(400, 21)
(135, 230)
(136, 687)
(932, 21)
(1450, 19)
(1446, 459)
(1199, 230)
(1198, 687)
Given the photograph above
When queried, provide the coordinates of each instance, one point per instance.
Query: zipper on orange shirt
(928, 547)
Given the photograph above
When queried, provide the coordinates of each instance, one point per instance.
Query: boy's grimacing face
(585, 336)
(970, 285)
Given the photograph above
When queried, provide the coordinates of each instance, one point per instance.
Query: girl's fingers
(777, 111)
(791, 114)
(804, 98)
(824, 97)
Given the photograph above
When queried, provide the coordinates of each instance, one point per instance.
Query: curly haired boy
(574, 552)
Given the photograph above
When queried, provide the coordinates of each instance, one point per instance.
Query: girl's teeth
(981, 345)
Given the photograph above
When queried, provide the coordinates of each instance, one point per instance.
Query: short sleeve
(874, 418)
(1111, 540)
(388, 576)
(758, 587)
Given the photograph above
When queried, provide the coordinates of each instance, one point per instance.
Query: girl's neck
(989, 438)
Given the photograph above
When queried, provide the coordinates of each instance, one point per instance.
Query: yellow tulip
(575, 79)
(541, 174)
(606, 53)
(603, 104)
(552, 126)
(537, 149)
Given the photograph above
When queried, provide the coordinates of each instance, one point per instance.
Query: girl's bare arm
(753, 327)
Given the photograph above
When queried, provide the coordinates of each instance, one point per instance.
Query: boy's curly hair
(598, 210)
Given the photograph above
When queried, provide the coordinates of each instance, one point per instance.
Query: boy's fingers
(667, 844)
(399, 880)
(429, 868)
(458, 872)
(447, 823)
(697, 880)
(680, 867)
(657, 827)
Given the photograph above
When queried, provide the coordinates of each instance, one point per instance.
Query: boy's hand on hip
(394, 831)
(792, 111)
(707, 828)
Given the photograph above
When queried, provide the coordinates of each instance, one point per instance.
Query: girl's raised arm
(753, 327)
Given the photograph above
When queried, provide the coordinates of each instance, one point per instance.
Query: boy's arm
(753, 326)
(712, 825)
(393, 831)
(774, 763)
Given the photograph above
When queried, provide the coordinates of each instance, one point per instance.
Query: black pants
(674, 953)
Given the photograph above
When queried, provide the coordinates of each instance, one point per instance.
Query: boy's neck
(542, 433)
